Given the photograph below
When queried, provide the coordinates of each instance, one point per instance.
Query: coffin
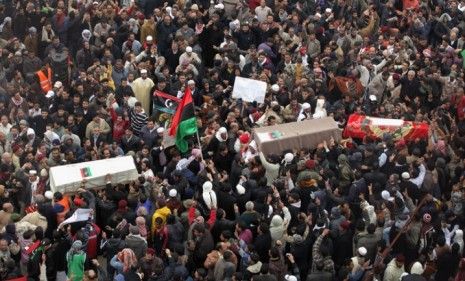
(296, 135)
(359, 126)
(68, 178)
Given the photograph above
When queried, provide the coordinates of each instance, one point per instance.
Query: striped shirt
(138, 120)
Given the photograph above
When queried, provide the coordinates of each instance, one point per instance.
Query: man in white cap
(190, 56)
(196, 95)
(160, 131)
(359, 259)
(407, 184)
(305, 112)
(221, 136)
(141, 88)
(33, 183)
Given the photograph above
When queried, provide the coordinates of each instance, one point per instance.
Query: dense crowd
(83, 81)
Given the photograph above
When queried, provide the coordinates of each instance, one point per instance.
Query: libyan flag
(184, 122)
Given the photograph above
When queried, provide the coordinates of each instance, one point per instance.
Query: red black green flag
(184, 122)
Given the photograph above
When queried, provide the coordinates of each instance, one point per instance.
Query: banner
(249, 90)
(359, 126)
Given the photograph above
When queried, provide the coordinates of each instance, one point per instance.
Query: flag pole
(200, 143)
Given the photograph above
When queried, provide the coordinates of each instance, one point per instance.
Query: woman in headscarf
(76, 259)
(140, 223)
(124, 261)
(5, 29)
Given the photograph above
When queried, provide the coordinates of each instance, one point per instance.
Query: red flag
(359, 126)
(186, 103)
(166, 96)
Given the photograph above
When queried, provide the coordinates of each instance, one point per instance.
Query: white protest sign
(78, 215)
(249, 90)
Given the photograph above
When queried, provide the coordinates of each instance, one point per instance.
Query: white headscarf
(208, 195)
(320, 111)
(5, 21)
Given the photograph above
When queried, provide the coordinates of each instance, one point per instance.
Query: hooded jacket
(279, 225)
(345, 172)
(137, 244)
(163, 214)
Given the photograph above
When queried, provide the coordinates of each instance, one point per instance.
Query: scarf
(140, 223)
(16, 102)
(127, 258)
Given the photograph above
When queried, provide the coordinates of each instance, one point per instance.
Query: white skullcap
(219, 6)
(386, 195)
(50, 94)
(190, 82)
(189, 49)
(149, 38)
(305, 105)
(222, 130)
(417, 268)
(43, 173)
(275, 87)
(372, 97)
(173, 193)
(240, 189)
(160, 130)
(48, 194)
(58, 84)
(143, 71)
(362, 251)
(288, 157)
(289, 277)
(405, 175)
(328, 10)
(32, 172)
(30, 131)
(207, 186)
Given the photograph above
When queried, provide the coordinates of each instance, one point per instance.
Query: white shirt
(5, 129)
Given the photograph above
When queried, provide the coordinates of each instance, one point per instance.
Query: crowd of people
(83, 81)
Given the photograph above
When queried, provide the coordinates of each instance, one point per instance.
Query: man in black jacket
(111, 247)
(222, 225)
(130, 142)
(262, 243)
(40, 122)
